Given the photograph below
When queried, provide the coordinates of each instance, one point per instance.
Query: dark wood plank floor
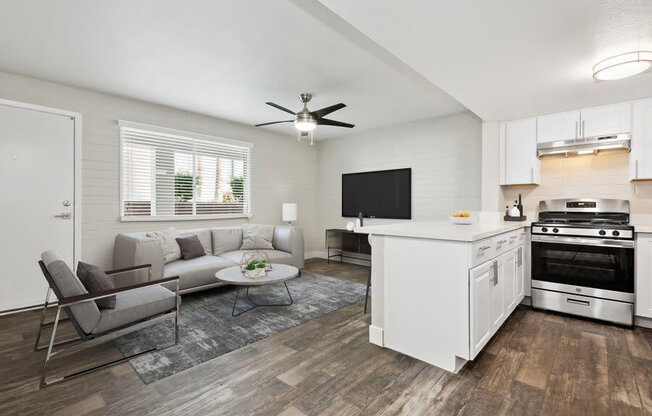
(538, 364)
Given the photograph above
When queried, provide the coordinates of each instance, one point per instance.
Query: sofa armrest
(290, 239)
(132, 249)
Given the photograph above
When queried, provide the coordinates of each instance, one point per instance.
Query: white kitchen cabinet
(518, 152)
(640, 158)
(481, 286)
(495, 289)
(519, 262)
(558, 126)
(606, 120)
(507, 282)
(643, 283)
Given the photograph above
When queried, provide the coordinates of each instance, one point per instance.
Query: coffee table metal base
(237, 294)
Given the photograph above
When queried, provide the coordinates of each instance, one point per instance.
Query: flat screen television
(378, 194)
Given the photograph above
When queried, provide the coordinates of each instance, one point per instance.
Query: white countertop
(444, 229)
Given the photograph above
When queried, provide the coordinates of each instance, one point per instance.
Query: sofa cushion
(204, 235)
(275, 256)
(257, 237)
(95, 280)
(191, 247)
(67, 284)
(136, 305)
(197, 272)
(226, 239)
(166, 239)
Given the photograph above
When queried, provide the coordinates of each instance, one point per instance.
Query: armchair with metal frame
(165, 305)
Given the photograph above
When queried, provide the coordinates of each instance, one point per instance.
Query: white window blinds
(170, 174)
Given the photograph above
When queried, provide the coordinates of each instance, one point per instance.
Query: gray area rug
(207, 329)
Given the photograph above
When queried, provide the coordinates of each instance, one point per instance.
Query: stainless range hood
(584, 145)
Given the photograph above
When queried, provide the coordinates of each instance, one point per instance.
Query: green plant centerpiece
(255, 264)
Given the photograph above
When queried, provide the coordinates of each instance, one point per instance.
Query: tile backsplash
(602, 176)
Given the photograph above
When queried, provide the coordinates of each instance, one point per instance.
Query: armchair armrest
(72, 300)
(128, 269)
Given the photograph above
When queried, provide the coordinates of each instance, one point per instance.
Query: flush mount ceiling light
(623, 65)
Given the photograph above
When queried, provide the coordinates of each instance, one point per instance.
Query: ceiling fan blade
(327, 122)
(327, 110)
(281, 108)
(273, 122)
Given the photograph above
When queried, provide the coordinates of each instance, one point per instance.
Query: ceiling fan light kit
(306, 121)
(623, 65)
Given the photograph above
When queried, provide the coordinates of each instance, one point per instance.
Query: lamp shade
(289, 211)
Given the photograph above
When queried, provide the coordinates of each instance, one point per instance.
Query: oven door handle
(598, 242)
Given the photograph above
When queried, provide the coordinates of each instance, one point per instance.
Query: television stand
(347, 244)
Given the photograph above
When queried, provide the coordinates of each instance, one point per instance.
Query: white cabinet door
(481, 326)
(519, 261)
(643, 283)
(507, 284)
(496, 300)
(558, 126)
(519, 163)
(640, 159)
(606, 120)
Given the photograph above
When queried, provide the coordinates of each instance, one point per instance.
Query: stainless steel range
(583, 259)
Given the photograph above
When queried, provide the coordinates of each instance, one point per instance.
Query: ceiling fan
(306, 121)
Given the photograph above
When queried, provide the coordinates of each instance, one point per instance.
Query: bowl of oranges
(462, 217)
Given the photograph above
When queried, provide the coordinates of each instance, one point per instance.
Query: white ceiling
(222, 58)
(511, 58)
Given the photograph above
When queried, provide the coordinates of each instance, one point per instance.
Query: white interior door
(37, 155)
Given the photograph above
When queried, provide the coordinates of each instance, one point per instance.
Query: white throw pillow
(257, 237)
(168, 243)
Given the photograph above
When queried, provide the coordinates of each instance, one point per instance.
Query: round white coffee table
(280, 273)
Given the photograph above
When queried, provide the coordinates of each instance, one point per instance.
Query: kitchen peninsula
(441, 290)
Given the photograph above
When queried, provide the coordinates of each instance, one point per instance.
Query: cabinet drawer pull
(578, 302)
(483, 248)
(502, 242)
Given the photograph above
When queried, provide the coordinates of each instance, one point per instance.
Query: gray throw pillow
(191, 247)
(257, 237)
(95, 280)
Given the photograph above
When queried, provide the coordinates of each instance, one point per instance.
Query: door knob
(64, 216)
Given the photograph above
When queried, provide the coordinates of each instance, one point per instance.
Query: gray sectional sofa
(222, 247)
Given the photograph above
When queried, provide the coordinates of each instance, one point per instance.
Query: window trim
(148, 128)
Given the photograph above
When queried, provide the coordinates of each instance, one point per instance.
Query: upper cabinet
(589, 122)
(606, 120)
(559, 126)
(640, 159)
(518, 152)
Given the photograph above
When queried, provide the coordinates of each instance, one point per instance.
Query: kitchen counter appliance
(583, 259)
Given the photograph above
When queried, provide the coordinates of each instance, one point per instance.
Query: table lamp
(289, 212)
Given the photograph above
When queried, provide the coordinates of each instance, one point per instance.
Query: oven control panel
(627, 234)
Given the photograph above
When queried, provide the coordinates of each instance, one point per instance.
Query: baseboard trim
(377, 335)
(643, 321)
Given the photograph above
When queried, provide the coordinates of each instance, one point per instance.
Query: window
(170, 174)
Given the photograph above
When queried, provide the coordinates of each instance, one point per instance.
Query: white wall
(491, 200)
(444, 154)
(282, 169)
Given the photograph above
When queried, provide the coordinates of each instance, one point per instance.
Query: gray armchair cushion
(257, 237)
(226, 239)
(95, 280)
(191, 247)
(134, 306)
(86, 314)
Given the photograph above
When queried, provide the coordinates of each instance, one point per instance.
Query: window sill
(145, 218)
